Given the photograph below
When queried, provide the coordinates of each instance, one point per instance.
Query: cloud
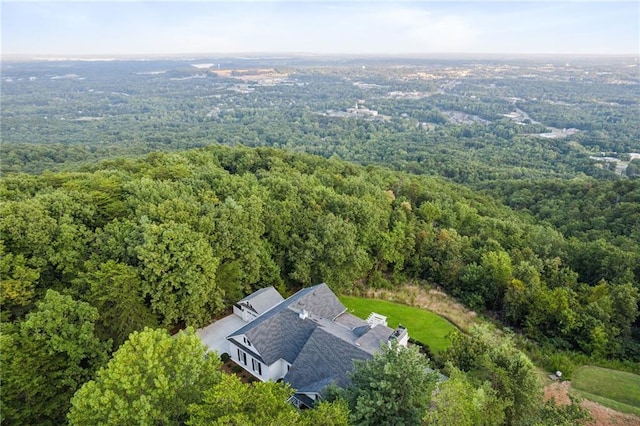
(364, 27)
(423, 29)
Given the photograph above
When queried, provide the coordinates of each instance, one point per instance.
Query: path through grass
(614, 389)
(424, 326)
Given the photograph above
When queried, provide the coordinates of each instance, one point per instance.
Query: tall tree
(178, 271)
(50, 355)
(231, 402)
(18, 283)
(151, 379)
(487, 357)
(458, 402)
(115, 289)
(392, 388)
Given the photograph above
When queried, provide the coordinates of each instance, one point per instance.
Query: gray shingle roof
(262, 300)
(372, 339)
(281, 336)
(318, 300)
(323, 359)
(321, 346)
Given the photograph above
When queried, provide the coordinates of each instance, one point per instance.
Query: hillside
(198, 229)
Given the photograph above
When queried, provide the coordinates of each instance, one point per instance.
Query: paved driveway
(214, 335)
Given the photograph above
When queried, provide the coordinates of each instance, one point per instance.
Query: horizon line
(276, 54)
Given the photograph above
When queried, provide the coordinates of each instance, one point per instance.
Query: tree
(493, 275)
(232, 402)
(458, 402)
(18, 282)
(335, 413)
(151, 379)
(552, 414)
(179, 270)
(392, 388)
(115, 289)
(487, 357)
(51, 354)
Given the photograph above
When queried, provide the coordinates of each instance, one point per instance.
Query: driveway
(214, 335)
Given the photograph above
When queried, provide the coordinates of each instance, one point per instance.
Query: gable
(279, 335)
(261, 300)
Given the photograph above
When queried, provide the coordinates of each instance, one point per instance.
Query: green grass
(424, 326)
(614, 389)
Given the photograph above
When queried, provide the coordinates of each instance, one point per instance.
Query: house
(308, 340)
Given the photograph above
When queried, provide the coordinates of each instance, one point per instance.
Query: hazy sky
(366, 27)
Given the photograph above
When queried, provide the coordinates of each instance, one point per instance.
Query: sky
(319, 27)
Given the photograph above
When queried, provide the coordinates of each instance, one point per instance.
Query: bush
(225, 357)
(562, 363)
(236, 369)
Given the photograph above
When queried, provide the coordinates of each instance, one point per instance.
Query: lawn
(615, 389)
(424, 326)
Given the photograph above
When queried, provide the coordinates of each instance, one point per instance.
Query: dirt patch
(601, 415)
(231, 367)
(604, 416)
(263, 75)
(432, 300)
(559, 391)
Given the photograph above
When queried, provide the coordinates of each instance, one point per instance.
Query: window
(246, 341)
(242, 357)
(256, 366)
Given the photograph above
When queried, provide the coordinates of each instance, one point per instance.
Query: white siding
(238, 311)
(246, 314)
(264, 372)
(278, 369)
(404, 340)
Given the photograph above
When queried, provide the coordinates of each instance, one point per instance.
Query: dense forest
(125, 216)
(173, 239)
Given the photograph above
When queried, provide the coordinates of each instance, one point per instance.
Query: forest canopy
(173, 239)
(144, 197)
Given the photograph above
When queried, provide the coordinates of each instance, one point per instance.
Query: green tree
(392, 388)
(458, 402)
(179, 274)
(17, 281)
(487, 357)
(50, 355)
(335, 413)
(340, 261)
(151, 379)
(497, 272)
(116, 290)
(624, 299)
(232, 402)
(552, 414)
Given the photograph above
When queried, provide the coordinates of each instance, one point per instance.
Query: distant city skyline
(84, 28)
